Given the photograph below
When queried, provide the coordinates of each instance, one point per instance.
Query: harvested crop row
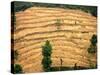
(69, 39)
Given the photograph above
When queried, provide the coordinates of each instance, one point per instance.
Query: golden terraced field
(37, 24)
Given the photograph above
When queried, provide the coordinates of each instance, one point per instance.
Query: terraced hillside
(70, 42)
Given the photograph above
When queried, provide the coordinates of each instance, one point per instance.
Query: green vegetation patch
(46, 52)
(17, 69)
(93, 46)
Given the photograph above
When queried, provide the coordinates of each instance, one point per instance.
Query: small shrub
(92, 49)
(93, 46)
(17, 68)
(94, 40)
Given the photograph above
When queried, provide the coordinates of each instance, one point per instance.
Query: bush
(94, 40)
(46, 51)
(92, 49)
(17, 68)
(93, 46)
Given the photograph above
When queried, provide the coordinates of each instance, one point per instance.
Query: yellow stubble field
(37, 24)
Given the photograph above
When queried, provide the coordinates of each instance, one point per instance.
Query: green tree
(94, 40)
(46, 51)
(93, 46)
(17, 68)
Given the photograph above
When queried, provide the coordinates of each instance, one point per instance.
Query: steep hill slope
(70, 42)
